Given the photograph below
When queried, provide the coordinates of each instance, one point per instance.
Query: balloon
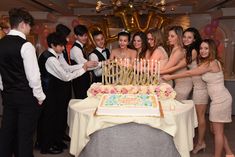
(51, 17)
(217, 42)
(109, 38)
(136, 17)
(215, 23)
(45, 32)
(160, 21)
(36, 29)
(123, 15)
(74, 22)
(208, 29)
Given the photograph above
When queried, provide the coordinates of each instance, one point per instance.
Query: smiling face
(83, 38)
(123, 41)
(137, 42)
(99, 41)
(204, 50)
(188, 38)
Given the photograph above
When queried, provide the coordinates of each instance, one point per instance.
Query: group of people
(38, 91)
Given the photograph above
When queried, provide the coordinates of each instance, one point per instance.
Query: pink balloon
(215, 23)
(208, 30)
(217, 42)
(45, 32)
(51, 17)
(36, 29)
(74, 22)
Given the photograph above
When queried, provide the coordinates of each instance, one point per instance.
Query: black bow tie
(104, 50)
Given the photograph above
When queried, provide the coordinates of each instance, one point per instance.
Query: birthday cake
(162, 91)
(129, 105)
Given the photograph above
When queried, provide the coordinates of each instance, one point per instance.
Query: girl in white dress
(123, 51)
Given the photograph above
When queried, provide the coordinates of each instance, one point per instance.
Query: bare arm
(157, 55)
(180, 65)
(202, 69)
(174, 59)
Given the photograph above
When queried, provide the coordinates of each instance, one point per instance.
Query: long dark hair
(193, 46)
(144, 45)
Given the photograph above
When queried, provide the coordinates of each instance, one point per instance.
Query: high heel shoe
(230, 155)
(199, 148)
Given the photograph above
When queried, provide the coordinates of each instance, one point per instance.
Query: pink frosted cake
(129, 105)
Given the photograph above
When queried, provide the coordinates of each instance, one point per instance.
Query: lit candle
(102, 67)
(112, 66)
(148, 70)
(138, 69)
(116, 64)
(158, 75)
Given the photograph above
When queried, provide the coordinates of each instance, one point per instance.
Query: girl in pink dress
(221, 100)
(183, 86)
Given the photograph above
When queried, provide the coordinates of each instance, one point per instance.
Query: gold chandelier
(134, 5)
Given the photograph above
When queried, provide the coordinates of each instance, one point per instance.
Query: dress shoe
(61, 145)
(52, 150)
(37, 145)
(66, 138)
(199, 148)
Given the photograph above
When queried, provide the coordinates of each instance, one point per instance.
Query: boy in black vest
(21, 85)
(78, 56)
(100, 53)
(54, 74)
(65, 31)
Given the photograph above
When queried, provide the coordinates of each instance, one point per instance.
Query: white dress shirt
(77, 55)
(31, 68)
(56, 68)
(94, 57)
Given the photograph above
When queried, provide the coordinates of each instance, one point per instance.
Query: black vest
(11, 65)
(100, 58)
(51, 85)
(80, 47)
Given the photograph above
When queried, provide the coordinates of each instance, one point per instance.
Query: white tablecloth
(179, 121)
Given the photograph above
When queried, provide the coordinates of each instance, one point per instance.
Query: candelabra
(132, 4)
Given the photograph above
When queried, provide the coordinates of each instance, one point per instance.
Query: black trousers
(53, 120)
(81, 85)
(18, 126)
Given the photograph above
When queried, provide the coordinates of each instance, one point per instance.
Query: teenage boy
(65, 31)
(21, 84)
(78, 56)
(100, 53)
(54, 74)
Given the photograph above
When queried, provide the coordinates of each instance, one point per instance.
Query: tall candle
(112, 66)
(102, 67)
(138, 69)
(158, 67)
(116, 64)
(134, 71)
(148, 71)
